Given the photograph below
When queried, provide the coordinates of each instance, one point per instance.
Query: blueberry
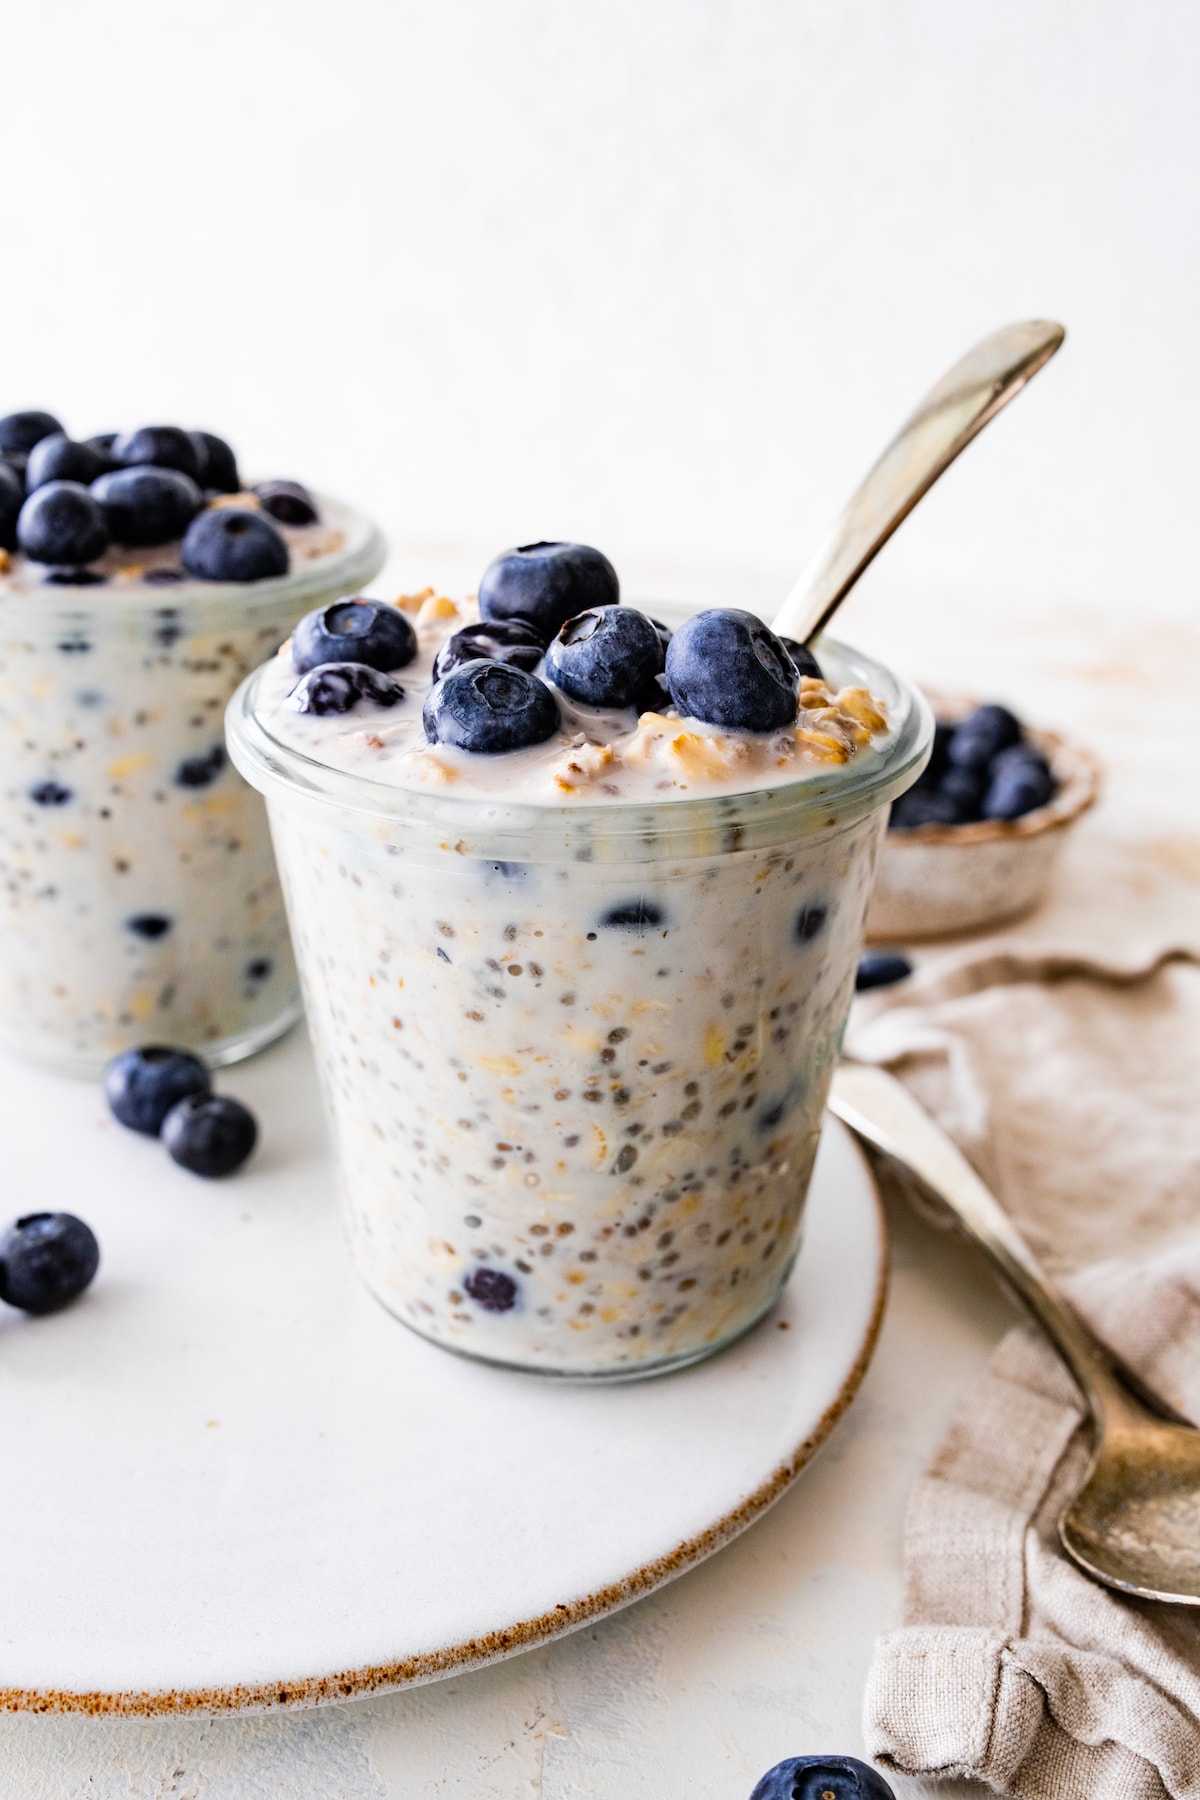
(605, 656)
(201, 771)
(512, 641)
(965, 787)
(633, 915)
(75, 578)
(16, 462)
(982, 735)
(547, 584)
(145, 507)
(102, 444)
(728, 668)
(228, 543)
(358, 631)
(50, 793)
(1020, 780)
(492, 1289)
(881, 968)
(142, 1085)
(163, 446)
(803, 660)
(922, 806)
(218, 465)
(62, 523)
(164, 578)
(288, 502)
(210, 1134)
(59, 458)
(12, 499)
(822, 1778)
(258, 968)
(46, 1261)
(338, 687)
(810, 922)
(148, 925)
(489, 707)
(20, 431)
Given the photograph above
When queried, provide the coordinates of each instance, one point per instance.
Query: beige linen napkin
(1069, 1074)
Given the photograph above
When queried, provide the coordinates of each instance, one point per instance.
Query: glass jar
(140, 902)
(576, 1058)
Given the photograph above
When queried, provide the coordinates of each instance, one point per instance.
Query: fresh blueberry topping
(12, 499)
(201, 771)
(512, 641)
(633, 915)
(62, 523)
(142, 1085)
(218, 465)
(163, 446)
(881, 968)
(59, 458)
(728, 668)
(102, 445)
(145, 507)
(209, 1134)
(229, 543)
(20, 431)
(148, 925)
(492, 1289)
(923, 806)
(822, 1778)
(1020, 781)
(605, 656)
(50, 793)
(810, 922)
(803, 660)
(338, 687)
(287, 501)
(46, 1261)
(979, 737)
(358, 631)
(75, 578)
(547, 584)
(489, 707)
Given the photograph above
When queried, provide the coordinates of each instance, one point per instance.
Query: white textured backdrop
(661, 274)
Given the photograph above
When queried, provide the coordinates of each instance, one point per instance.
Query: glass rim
(758, 815)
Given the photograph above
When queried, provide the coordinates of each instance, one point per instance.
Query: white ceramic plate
(232, 1481)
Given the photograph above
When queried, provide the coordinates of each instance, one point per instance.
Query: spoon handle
(880, 1110)
(966, 398)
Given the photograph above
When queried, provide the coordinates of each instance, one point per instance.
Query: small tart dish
(936, 881)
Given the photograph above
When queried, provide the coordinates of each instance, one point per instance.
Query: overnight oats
(139, 583)
(577, 905)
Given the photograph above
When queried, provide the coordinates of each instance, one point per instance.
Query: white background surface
(661, 274)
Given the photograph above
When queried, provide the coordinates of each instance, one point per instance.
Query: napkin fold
(1067, 1072)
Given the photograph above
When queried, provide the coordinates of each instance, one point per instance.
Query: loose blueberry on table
(209, 1134)
(46, 1261)
(982, 767)
(822, 1778)
(166, 1092)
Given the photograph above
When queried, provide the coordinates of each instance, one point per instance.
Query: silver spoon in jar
(1135, 1522)
(967, 398)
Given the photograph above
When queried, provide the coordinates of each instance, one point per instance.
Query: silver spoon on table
(1135, 1522)
(967, 398)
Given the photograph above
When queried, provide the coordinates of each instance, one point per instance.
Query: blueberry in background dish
(142, 1085)
(12, 499)
(881, 968)
(218, 464)
(922, 806)
(1020, 780)
(979, 737)
(822, 1778)
(803, 660)
(46, 1261)
(726, 667)
(489, 707)
(102, 444)
(60, 458)
(338, 687)
(513, 641)
(210, 1134)
(62, 523)
(288, 501)
(605, 656)
(162, 446)
(143, 507)
(20, 431)
(547, 583)
(966, 788)
(357, 631)
(231, 543)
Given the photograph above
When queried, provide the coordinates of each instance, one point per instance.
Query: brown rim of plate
(1076, 769)
(526, 1634)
